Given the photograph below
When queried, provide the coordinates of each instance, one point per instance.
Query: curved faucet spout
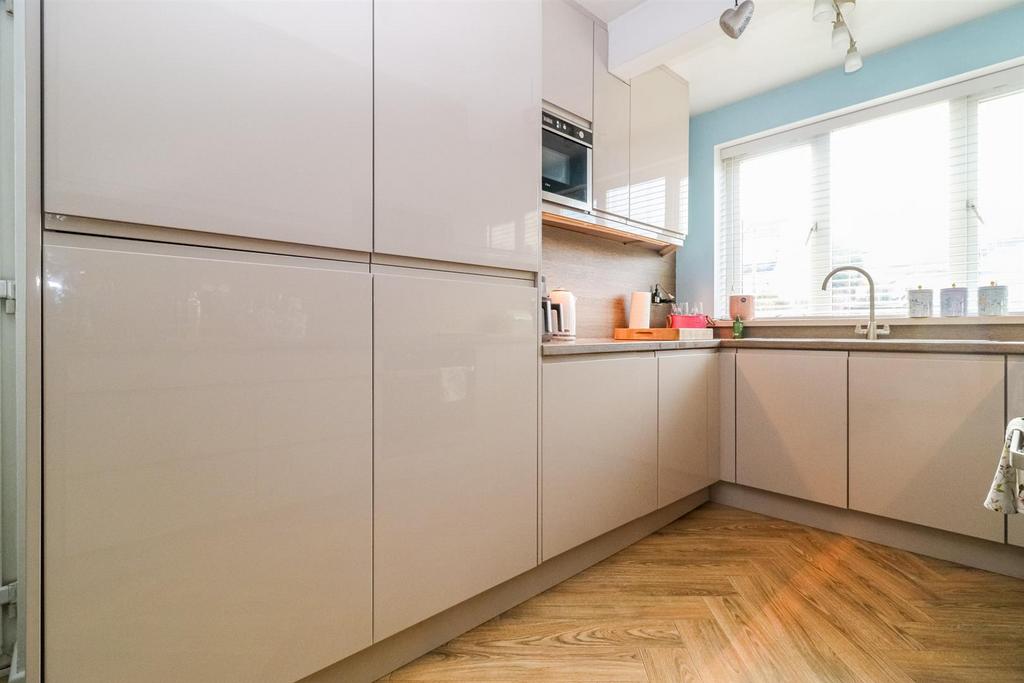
(872, 330)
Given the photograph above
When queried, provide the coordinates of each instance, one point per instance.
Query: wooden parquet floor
(727, 595)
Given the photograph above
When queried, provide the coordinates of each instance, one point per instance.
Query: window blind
(925, 192)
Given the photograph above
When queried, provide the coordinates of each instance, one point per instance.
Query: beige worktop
(584, 346)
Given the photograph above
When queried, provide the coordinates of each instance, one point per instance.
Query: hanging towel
(1007, 492)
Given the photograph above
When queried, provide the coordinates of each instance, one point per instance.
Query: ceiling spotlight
(853, 61)
(840, 31)
(823, 10)
(735, 19)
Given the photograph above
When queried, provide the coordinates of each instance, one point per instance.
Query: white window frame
(973, 86)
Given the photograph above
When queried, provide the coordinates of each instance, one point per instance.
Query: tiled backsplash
(601, 273)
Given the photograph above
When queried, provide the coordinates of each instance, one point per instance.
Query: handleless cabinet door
(687, 401)
(1015, 408)
(600, 446)
(457, 131)
(568, 58)
(455, 441)
(611, 134)
(925, 431)
(659, 125)
(207, 467)
(791, 423)
(727, 414)
(240, 118)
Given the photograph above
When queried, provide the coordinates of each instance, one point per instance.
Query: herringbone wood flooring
(728, 595)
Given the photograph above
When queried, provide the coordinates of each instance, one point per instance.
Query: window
(925, 191)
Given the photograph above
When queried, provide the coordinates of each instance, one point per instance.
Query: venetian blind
(924, 191)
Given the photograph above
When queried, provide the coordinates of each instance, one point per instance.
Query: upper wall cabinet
(569, 58)
(457, 131)
(238, 118)
(659, 138)
(611, 134)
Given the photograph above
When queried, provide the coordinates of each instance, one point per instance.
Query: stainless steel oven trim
(565, 201)
(582, 143)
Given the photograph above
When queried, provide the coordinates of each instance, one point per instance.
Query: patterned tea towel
(1007, 492)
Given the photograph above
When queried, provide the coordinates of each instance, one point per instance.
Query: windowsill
(1017, 319)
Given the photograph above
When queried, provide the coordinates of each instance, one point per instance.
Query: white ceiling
(782, 44)
(606, 10)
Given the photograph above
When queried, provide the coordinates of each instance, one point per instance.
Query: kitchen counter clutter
(606, 345)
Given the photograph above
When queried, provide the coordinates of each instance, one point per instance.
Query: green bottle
(737, 328)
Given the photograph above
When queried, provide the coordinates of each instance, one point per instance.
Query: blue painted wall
(991, 39)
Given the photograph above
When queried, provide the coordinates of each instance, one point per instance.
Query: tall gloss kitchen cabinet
(455, 439)
(207, 463)
(568, 58)
(1015, 408)
(924, 429)
(457, 131)
(791, 423)
(239, 118)
(600, 446)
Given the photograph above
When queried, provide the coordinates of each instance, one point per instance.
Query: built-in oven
(567, 154)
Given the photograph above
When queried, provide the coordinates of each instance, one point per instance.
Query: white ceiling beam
(655, 32)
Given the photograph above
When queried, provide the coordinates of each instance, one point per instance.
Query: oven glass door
(566, 168)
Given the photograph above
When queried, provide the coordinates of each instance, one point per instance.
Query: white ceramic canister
(953, 301)
(993, 300)
(919, 302)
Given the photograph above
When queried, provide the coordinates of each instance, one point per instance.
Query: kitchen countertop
(584, 346)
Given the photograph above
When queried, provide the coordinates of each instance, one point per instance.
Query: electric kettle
(566, 302)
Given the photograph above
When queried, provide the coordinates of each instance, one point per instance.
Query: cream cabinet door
(611, 134)
(457, 124)
(600, 446)
(207, 466)
(455, 440)
(1015, 408)
(659, 125)
(925, 432)
(727, 414)
(687, 423)
(240, 118)
(568, 58)
(791, 423)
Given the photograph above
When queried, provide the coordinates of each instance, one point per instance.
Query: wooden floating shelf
(606, 230)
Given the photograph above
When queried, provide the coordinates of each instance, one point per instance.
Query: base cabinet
(1015, 408)
(207, 466)
(791, 423)
(600, 446)
(687, 423)
(455, 440)
(727, 415)
(924, 433)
